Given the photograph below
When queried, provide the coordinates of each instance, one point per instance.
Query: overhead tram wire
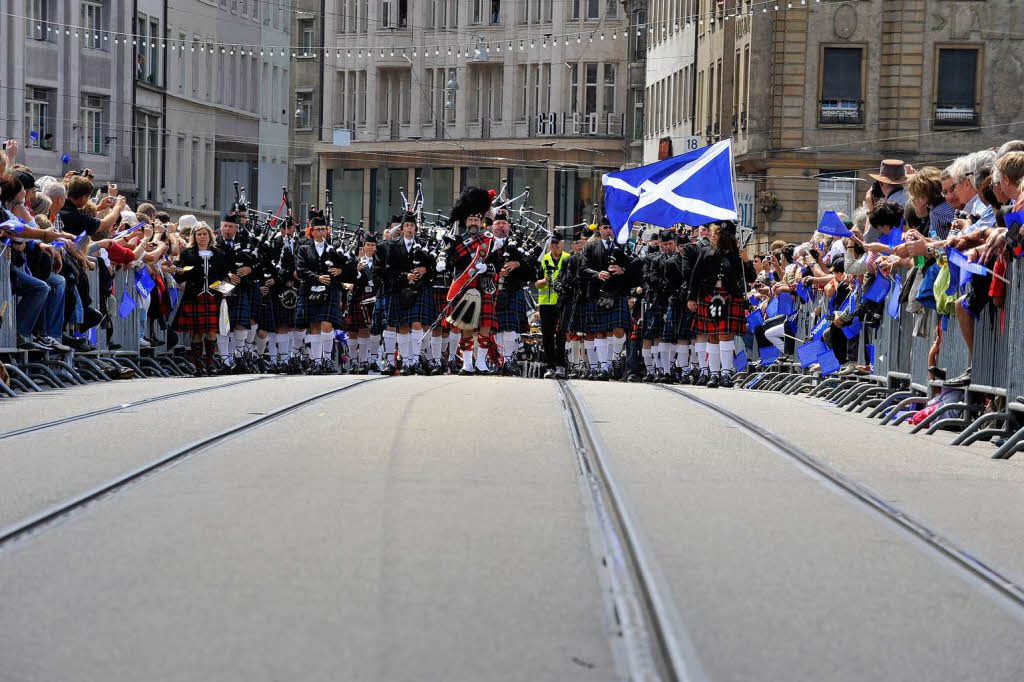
(49, 518)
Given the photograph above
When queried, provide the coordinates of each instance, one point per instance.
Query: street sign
(746, 200)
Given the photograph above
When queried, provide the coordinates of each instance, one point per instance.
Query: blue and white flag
(693, 188)
(14, 224)
(967, 268)
(144, 282)
(833, 225)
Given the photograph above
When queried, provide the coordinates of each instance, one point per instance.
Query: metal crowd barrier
(8, 327)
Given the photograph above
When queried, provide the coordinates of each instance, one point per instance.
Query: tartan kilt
(198, 317)
(654, 320)
(356, 317)
(381, 313)
(266, 312)
(510, 309)
(574, 316)
(606, 320)
(306, 313)
(242, 304)
(422, 310)
(733, 322)
(678, 323)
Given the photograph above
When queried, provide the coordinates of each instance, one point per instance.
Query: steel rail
(123, 406)
(964, 559)
(50, 517)
(656, 644)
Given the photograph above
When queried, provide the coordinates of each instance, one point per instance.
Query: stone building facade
(815, 96)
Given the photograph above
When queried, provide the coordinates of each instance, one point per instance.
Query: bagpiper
(516, 269)
(322, 270)
(608, 271)
(408, 273)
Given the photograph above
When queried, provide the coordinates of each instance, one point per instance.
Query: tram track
(971, 565)
(35, 428)
(54, 515)
(651, 642)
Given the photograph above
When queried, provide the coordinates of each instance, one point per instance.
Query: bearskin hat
(472, 201)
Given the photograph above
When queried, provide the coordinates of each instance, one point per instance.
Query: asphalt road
(436, 529)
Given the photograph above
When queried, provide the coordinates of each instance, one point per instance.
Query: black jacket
(400, 261)
(523, 275)
(201, 273)
(714, 266)
(597, 258)
(310, 266)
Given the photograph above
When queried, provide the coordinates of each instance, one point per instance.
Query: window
(37, 23)
(92, 124)
(609, 88)
(303, 110)
(574, 88)
(590, 94)
(148, 137)
(306, 36)
(593, 9)
(182, 72)
(92, 24)
(451, 98)
(141, 47)
(153, 74)
(841, 85)
(405, 93)
(39, 106)
(304, 182)
(638, 114)
(496, 11)
(956, 93)
(208, 57)
(478, 11)
(361, 107)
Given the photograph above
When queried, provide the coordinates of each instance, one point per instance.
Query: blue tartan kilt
(679, 323)
(306, 313)
(654, 320)
(381, 312)
(574, 316)
(267, 314)
(242, 304)
(510, 309)
(606, 320)
(422, 310)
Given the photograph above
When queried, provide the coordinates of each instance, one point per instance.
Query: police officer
(552, 266)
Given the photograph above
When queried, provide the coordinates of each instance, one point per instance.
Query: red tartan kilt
(200, 316)
(356, 317)
(733, 322)
(488, 314)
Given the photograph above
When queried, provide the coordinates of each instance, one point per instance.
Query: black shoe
(727, 378)
(603, 375)
(550, 374)
(684, 379)
(26, 343)
(466, 372)
(713, 381)
(650, 378)
(633, 378)
(703, 376)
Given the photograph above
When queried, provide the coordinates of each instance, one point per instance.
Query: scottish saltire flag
(832, 224)
(693, 188)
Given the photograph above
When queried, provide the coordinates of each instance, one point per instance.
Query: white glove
(481, 268)
(440, 266)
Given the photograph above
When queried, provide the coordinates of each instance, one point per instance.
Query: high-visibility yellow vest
(551, 270)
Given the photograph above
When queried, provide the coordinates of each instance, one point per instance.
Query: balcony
(841, 112)
(955, 116)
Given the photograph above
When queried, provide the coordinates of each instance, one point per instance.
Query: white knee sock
(327, 341)
(272, 345)
(648, 355)
(617, 343)
(261, 345)
(435, 348)
(284, 345)
(701, 348)
(714, 357)
(374, 347)
(364, 350)
(726, 348)
(603, 352)
(592, 357)
(298, 344)
(390, 341)
(403, 349)
(453, 345)
(250, 336)
(224, 346)
(415, 344)
(316, 346)
(508, 345)
(481, 359)
(239, 341)
(776, 335)
(683, 355)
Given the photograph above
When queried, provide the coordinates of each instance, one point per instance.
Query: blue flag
(754, 320)
(768, 355)
(33, 135)
(894, 300)
(781, 305)
(803, 292)
(879, 289)
(740, 363)
(173, 293)
(693, 188)
(144, 282)
(15, 225)
(80, 239)
(127, 305)
(66, 159)
(1015, 218)
(91, 336)
(819, 329)
(869, 351)
(828, 363)
(808, 353)
(853, 328)
(893, 239)
(967, 268)
(833, 225)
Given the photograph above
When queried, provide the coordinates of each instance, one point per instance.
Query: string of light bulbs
(461, 49)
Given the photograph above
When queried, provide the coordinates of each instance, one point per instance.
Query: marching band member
(409, 268)
(282, 295)
(241, 301)
(717, 296)
(516, 270)
(606, 268)
(678, 267)
(320, 269)
(361, 301)
(655, 305)
(200, 265)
